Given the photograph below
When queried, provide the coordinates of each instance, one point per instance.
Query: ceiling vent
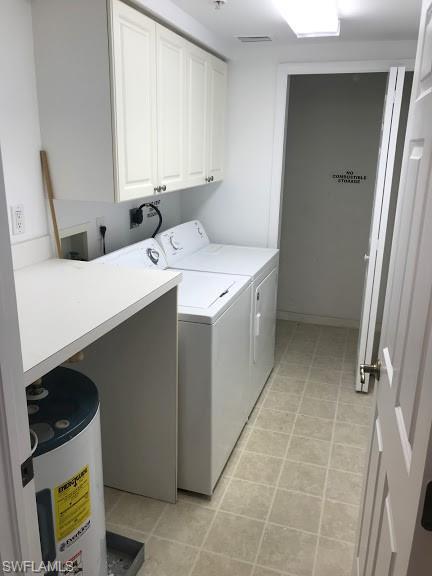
(250, 39)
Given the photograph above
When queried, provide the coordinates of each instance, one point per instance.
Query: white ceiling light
(310, 17)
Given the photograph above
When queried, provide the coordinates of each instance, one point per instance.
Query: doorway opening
(332, 152)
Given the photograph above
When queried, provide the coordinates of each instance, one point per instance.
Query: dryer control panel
(183, 240)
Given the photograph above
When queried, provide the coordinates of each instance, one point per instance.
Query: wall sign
(349, 178)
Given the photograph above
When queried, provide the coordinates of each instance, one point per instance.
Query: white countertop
(64, 305)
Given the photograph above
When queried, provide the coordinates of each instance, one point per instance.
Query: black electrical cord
(102, 230)
(139, 215)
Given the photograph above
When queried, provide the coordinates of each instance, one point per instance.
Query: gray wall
(333, 126)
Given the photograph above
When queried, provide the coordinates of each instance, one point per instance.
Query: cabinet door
(134, 63)
(171, 109)
(196, 114)
(216, 118)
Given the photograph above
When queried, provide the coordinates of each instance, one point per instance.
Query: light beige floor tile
(288, 550)
(339, 521)
(296, 510)
(293, 370)
(344, 486)
(275, 420)
(258, 468)
(214, 565)
(233, 460)
(351, 434)
(306, 478)
(260, 571)
(267, 442)
(234, 536)
(334, 558)
(354, 414)
(348, 458)
(322, 391)
(302, 346)
(244, 436)
(349, 364)
(165, 558)
(127, 532)
(248, 499)
(325, 375)
(313, 427)
(254, 414)
(136, 512)
(287, 385)
(297, 357)
(282, 401)
(309, 450)
(203, 500)
(184, 522)
(318, 408)
(348, 394)
(111, 497)
(327, 361)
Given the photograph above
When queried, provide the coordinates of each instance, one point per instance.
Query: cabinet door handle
(207, 179)
(156, 189)
(163, 188)
(211, 178)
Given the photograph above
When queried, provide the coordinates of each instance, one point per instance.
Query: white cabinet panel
(171, 109)
(135, 102)
(216, 118)
(196, 89)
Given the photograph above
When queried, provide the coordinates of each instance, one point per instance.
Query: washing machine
(187, 247)
(63, 411)
(213, 372)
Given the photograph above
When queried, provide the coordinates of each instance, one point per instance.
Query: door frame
(281, 122)
(19, 532)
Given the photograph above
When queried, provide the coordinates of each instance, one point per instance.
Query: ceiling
(361, 20)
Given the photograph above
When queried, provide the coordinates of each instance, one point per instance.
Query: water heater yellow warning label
(72, 503)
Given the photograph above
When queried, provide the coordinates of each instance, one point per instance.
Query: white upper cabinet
(128, 108)
(216, 118)
(135, 102)
(170, 49)
(196, 114)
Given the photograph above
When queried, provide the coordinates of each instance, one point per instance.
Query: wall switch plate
(18, 223)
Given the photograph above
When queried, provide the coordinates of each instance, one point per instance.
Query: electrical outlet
(18, 223)
(100, 221)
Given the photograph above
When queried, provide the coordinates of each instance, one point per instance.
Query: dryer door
(264, 330)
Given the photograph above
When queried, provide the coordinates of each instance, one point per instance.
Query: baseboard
(31, 252)
(313, 319)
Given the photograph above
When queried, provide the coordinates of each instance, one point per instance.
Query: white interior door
(394, 536)
(19, 532)
(377, 237)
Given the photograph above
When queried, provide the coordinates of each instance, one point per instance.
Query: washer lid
(229, 259)
(201, 290)
(70, 405)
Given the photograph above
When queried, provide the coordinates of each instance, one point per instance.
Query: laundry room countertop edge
(65, 305)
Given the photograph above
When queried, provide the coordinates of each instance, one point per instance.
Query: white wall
(333, 125)
(19, 123)
(116, 219)
(237, 210)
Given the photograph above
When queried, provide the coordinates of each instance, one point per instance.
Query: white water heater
(64, 416)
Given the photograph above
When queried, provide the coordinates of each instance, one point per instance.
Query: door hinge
(27, 471)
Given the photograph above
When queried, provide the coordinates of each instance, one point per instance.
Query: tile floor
(288, 500)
